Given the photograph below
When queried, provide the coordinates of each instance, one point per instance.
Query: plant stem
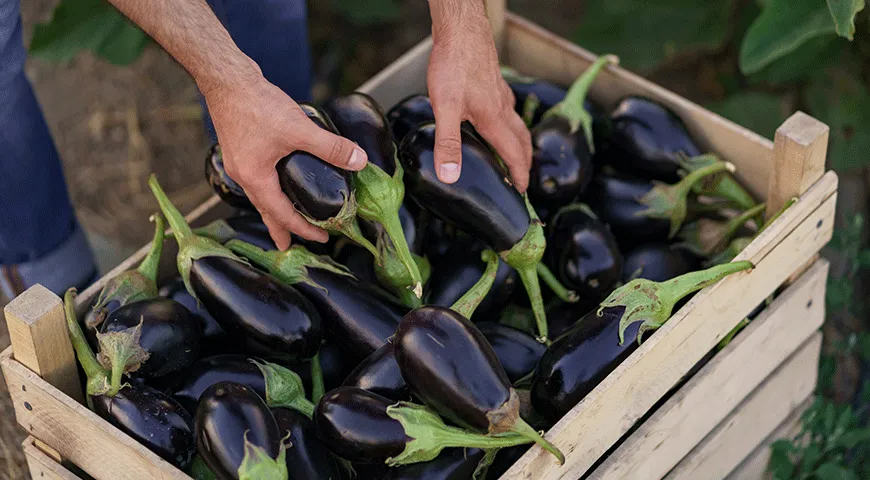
(150, 264)
(526, 430)
(393, 229)
(268, 260)
(529, 107)
(684, 186)
(180, 228)
(85, 355)
(529, 276)
(555, 285)
(468, 303)
(317, 388)
(679, 287)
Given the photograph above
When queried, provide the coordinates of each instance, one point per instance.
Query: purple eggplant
(213, 338)
(307, 457)
(517, 352)
(379, 373)
(209, 371)
(658, 262)
(225, 187)
(452, 464)
(409, 113)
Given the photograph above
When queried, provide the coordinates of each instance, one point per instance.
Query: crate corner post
(799, 150)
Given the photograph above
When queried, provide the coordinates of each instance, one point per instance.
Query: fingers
(448, 142)
(329, 147)
(279, 234)
(509, 137)
(265, 193)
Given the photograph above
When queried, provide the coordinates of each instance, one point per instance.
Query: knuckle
(450, 144)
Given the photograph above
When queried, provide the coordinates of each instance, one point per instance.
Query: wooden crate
(745, 393)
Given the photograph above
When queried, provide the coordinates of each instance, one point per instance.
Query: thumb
(332, 148)
(448, 145)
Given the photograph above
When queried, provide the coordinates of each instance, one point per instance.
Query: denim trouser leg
(40, 239)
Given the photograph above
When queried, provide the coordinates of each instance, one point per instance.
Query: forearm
(451, 16)
(191, 33)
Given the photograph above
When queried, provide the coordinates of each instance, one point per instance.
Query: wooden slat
(599, 420)
(749, 424)
(534, 51)
(402, 78)
(754, 467)
(799, 152)
(496, 10)
(676, 427)
(42, 466)
(40, 339)
(78, 434)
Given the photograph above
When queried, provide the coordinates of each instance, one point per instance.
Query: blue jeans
(40, 238)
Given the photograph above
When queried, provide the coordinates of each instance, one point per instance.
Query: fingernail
(357, 160)
(449, 172)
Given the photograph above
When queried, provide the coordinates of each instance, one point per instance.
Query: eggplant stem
(88, 360)
(219, 230)
(529, 276)
(468, 303)
(568, 296)
(529, 107)
(730, 336)
(524, 429)
(684, 186)
(267, 260)
(317, 388)
(396, 234)
(735, 223)
(180, 228)
(353, 232)
(679, 287)
(151, 263)
(788, 204)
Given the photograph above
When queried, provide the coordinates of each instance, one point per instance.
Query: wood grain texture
(676, 427)
(42, 466)
(78, 434)
(751, 422)
(600, 419)
(40, 339)
(799, 150)
(754, 467)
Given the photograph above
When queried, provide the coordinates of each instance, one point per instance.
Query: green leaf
(832, 471)
(852, 438)
(94, 25)
(643, 33)
(843, 12)
(367, 12)
(758, 111)
(780, 460)
(782, 27)
(841, 101)
(864, 258)
(814, 54)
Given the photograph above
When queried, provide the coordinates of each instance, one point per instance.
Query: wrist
(229, 76)
(453, 18)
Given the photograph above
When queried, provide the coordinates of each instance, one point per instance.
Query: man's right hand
(257, 124)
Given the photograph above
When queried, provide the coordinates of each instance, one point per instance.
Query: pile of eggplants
(404, 347)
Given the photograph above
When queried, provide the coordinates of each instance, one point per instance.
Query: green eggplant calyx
(470, 300)
(669, 202)
(721, 185)
(345, 223)
(284, 388)
(97, 376)
(483, 466)
(121, 354)
(653, 302)
(317, 387)
(258, 465)
(530, 106)
(730, 336)
(199, 470)
(511, 75)
(568, 296)
(190, 246)
(291, 266)
(128, 287)
(379, 198)
(393, 274)
(732, 250)
(707, 237)
(571, 108)
(151, 262)
(573, 207)
(219, 230)
(429, 435)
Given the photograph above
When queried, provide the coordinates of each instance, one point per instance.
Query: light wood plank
(40, 339)
(799, 152)
(534, 51)
(78, 434)
(42, 466)
(599, 420)
(755, 418)
(496, 10)
(402, 78)
(754, 467)
(676, 427)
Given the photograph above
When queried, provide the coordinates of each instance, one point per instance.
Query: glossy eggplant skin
(450, 366)
(562, 316)
(460, 270)
(307, 457)
(225, 187)
(451, 464)
(358, 260)
(170, 334)
(561, 163)
(579, 360)
(264, 315)
(354, 316)
(409, 113)
(251, 229)
(583, 253)
(317, 189)
(228, 413)
(517, 351)
(482, 202)
(658, 262)
(647, 139)
(614, 198)
(209, 371)
(354, 424)
(359, 118)
(549, 94)
(153, 419)
(379, 373)
(213, 338)
(435, 237)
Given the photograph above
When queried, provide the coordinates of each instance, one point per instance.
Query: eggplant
(356, 317)
(358, 261)
(482, 203)
(225, 187)
(517, 352)
(452, 464)
(307, 457)
(371, 230)
(409, 113)
(213, 338)
(335, 365)
(658, 262)
(460, 270)
(583, 253)
(584, 355)
(378, 187)
(379, 373)
(707, 237)
(564, 145)
(562, 316)
(268, 317)
(164, 328)
(249, 227)
(209, 371)
(532, 92)
(436, 237)
(237, 435)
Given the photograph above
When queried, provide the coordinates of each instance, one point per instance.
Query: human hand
(465, 83)
(257, 125)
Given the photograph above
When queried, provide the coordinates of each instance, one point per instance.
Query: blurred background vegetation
(753, 61)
